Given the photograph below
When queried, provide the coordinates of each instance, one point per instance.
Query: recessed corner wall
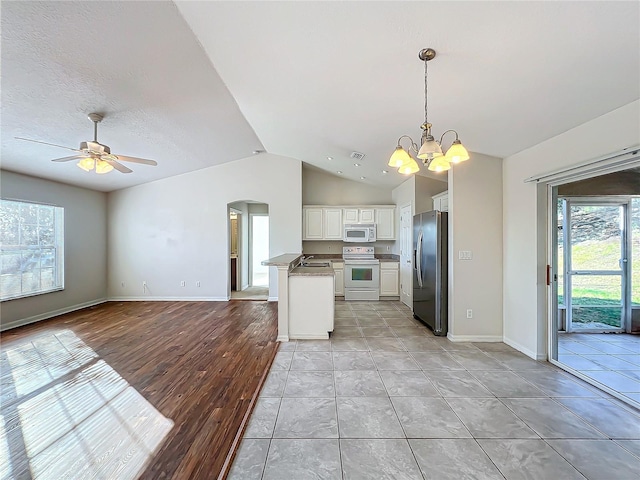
(525, 217)
(176, 229)
(475, 225)
(85, 251)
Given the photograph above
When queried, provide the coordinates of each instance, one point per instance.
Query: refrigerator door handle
(419, 259)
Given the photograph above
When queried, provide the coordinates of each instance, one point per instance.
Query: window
(31, 249)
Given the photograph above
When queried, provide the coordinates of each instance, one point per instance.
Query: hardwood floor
(150, 390)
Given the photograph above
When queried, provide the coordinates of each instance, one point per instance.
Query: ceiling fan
(94, 155)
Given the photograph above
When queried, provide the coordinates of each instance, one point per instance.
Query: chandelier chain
(426, 104)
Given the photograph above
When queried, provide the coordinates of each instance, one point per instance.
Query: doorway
(259, 250)
(595, 290)
(251, 246)
(593, 256)
(406, 249)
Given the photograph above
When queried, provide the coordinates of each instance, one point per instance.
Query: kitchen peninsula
(305, 298)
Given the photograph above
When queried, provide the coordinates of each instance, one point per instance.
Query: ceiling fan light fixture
(103, 167)
(87, 164)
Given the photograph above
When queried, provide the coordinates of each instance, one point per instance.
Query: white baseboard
(282, 338)
(526, 351)
(168, 299)
(52, 313)
(272, 299)
(474, 338)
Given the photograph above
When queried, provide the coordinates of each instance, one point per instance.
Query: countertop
(386, 257)
(282, 260)
(312, 272)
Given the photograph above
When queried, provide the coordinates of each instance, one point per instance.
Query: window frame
(58, 248)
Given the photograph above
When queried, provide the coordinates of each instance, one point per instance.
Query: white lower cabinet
(389, 279)
(338, 268)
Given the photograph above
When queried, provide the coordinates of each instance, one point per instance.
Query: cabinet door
(339, 282)
(441, 201)
(367, 215)
(444, 203)
(350, 215)
(389, 282)
(333, 229)
(385, 223)
(312, 224)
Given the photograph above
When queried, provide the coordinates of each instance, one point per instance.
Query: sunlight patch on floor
(79, 419)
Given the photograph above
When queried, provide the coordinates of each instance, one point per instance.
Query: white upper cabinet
(350, 215)
(441, 201)
(333, 229)
(312, 223)
(367, 215)
(385, 223)
(322, 222)
(359, 215)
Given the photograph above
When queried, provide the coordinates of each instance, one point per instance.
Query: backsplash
(335, 248)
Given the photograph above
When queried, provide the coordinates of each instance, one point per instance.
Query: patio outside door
(595, 245)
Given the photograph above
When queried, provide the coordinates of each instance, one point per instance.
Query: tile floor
(608, 358)
(385, 399)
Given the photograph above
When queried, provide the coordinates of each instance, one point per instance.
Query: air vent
(357, 155)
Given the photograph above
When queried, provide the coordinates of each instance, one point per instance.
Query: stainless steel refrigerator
(430, 282)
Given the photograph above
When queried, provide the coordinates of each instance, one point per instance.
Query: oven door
(361, 275)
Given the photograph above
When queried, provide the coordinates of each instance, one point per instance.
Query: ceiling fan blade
(68, 159)
(46, 143)
(144, 161)
(118, 166)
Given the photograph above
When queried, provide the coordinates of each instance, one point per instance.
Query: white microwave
(359, 232)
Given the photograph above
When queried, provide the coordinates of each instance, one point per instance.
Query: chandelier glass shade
(430, 152)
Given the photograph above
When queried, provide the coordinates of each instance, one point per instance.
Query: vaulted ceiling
(195, 84)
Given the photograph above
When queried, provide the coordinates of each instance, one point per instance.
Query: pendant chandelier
(431, 152)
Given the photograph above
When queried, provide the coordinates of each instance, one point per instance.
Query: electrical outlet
(465, 255)
(197, 284)
(388, 247)
(183, 283)
(122, 284)
(469, 313)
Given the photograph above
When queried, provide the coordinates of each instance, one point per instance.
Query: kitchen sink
(316, 264)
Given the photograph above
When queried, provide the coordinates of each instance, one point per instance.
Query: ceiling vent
(357, 155)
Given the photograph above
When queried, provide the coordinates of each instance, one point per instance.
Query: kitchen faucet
(304, 259)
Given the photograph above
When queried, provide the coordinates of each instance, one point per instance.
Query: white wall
(320, 188)
(85, 233)
(525, 234)
(475, 224)
(426, 188)
(416, 191)
(176, 229)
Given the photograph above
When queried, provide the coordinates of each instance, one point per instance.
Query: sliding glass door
(593, 246)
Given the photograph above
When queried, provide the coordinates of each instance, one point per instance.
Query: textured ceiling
(203, 83)
(136, 62)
